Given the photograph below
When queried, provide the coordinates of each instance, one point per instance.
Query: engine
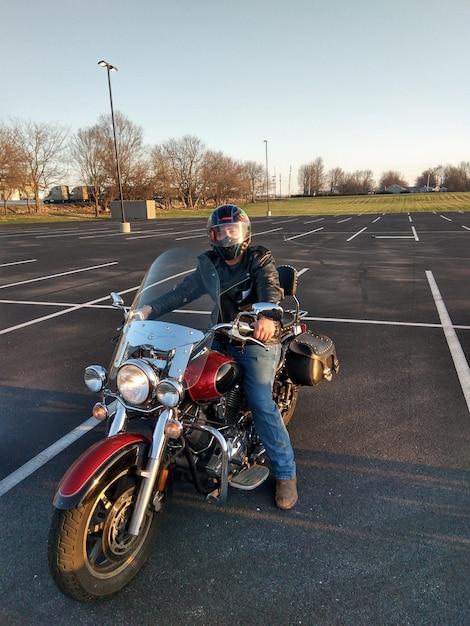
(228, 414)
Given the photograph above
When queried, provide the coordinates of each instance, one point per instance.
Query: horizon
(362, 86)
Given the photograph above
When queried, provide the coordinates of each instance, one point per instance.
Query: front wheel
(91, 554)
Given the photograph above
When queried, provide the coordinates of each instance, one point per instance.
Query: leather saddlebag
(311, 358)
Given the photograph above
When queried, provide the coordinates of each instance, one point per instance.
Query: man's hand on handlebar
(263, 329)
(143, 312)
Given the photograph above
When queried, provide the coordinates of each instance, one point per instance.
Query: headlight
(170, 392)
(96, 378)
(136, 381)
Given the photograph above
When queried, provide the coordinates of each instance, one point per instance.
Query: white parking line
(18, 263)
(393, 237)
(265, 232)
(161, 233)
(71, 233)
(413, 236)
(347, 320)
(458, 356)
(320, 219)
(34, 280)
(102, 234)
(69, 309)
(46, 455)
(56, 304)
(310, 232)
(190, 237)
(361, 231)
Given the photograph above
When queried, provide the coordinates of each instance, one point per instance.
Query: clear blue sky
(364, 84)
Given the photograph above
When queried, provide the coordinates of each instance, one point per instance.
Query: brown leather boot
(286, 493)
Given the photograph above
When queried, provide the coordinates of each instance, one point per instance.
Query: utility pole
(268, 210)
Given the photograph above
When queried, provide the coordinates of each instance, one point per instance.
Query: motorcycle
(175, 409)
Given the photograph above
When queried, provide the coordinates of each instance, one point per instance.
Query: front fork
(149, 473)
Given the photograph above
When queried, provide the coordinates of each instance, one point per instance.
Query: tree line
(314, 179)
(179, 172)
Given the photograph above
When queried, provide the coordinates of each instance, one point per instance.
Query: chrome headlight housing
(170, 392)
(96, 378)
(136, 381)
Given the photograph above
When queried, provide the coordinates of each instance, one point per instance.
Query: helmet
(229, 231)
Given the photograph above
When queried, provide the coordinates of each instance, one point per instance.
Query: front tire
(91, 554)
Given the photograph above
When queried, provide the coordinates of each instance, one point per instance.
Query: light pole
(125, 227)
(268, 210)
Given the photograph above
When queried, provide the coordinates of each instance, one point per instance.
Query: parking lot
(381, 531)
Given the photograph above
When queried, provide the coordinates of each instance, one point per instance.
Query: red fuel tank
(211, 375)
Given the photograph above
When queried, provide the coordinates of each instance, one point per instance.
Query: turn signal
(173, 429)
(100, 411)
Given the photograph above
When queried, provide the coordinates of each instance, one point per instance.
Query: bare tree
(312, 177)
(11, 167)
(223, 178)
(359, 182)
(164, 188)
(334, 180)
(390, 178)
(41, 148)
(90, 158)
(465, 167)
(186, 157)
(426, 179)
(254, 176)
(457, 178)
(133, 156)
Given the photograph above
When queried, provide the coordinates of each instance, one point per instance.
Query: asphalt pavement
(381, 532)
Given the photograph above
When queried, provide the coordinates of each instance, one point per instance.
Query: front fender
(83, 478)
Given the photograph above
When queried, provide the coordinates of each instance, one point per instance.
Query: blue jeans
(259, 368)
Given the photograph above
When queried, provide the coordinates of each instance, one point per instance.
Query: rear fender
(84, 477)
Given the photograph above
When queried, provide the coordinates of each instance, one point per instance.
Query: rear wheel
(91, 554)
(285, 396)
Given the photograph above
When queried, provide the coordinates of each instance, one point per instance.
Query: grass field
(389, 203)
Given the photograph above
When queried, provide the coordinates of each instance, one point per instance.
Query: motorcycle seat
(288, 319)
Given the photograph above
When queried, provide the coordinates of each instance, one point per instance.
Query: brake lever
(234, 333)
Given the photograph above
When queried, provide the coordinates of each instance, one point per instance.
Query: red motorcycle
(189, 419)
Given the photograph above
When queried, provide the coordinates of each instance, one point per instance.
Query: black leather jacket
(253, 279)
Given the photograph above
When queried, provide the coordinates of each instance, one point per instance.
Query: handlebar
(239, 330)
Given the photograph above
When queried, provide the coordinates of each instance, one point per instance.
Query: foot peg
(250, 478)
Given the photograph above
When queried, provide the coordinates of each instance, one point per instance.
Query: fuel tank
(211, 375)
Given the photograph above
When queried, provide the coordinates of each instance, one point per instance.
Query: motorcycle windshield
(182, 323)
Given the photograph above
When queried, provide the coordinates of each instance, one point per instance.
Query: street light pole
(268, 210)
(125, 227)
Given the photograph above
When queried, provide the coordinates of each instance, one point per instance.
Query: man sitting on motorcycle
(247, 274)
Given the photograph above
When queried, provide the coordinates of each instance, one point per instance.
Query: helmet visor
(227, 235)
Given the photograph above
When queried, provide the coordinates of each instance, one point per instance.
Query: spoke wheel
(91, 553)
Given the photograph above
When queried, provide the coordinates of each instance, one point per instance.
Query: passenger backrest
(288, 279)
